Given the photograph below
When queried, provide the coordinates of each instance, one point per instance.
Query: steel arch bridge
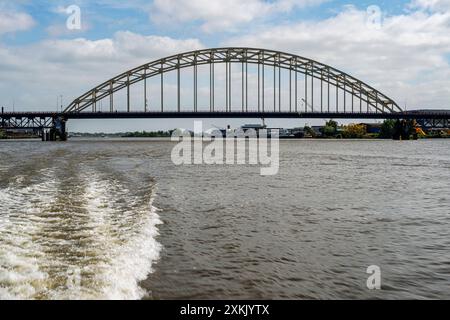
(308, 87)
(268, 84)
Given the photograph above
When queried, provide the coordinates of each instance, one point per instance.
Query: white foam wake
(98, 243)
(124, 237)
(20, 255)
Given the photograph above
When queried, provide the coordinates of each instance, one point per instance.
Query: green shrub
(387, 129)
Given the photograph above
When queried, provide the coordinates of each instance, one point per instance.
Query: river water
(116, 219)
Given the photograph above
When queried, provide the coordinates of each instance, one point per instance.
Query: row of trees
(145, 134)
(353, 131)
(405, 130)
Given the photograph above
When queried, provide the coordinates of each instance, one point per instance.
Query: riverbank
(18, 137)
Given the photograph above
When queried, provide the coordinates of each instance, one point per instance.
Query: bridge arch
(370, 99)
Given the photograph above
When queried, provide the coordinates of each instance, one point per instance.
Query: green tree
(330, 128)
(328, 131)
(332, 124)
(387, 129)
(354, 131)
(2, 134)
(309, 131)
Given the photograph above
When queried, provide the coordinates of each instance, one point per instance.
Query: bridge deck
(419, 114)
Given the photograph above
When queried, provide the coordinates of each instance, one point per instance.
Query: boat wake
(87, 237)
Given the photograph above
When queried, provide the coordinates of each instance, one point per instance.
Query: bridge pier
(56, 132)
(61, 129)
(405, 130)
(49, 135)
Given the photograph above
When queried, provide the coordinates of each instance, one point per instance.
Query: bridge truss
(49, 126)
(27, 121)
(304, 85)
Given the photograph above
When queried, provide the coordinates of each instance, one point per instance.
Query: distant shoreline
(75, 138)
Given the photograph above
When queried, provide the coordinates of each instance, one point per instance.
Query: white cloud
(406, 59)
(13, 21)
(34, 75)
(433, 5)
(218, 15)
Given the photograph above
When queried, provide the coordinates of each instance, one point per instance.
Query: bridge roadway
(406, 115)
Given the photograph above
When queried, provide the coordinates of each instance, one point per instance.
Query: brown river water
(116, 219)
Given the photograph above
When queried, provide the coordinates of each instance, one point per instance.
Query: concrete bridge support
(57, 132)
(405, 130)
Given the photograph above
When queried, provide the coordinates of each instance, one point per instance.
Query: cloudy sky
(404, 51)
